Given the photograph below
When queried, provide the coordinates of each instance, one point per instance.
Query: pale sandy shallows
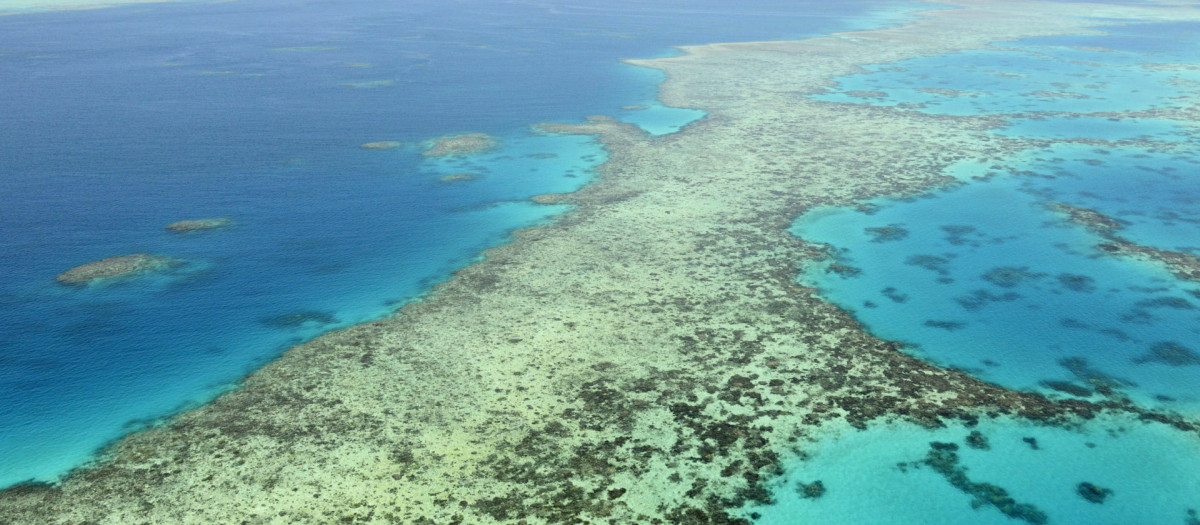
(648, 358)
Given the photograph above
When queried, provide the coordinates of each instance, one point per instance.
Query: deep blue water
(120, 121)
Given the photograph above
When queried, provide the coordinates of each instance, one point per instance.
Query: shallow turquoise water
(879, 475)
(985, 277)
(1055, 74)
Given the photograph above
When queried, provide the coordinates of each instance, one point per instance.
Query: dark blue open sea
(117, 122)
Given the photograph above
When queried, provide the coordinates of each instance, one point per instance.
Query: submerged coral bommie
(452, 145)
(383, 144)
(458, 177)
(298, 319)
(113, 267)
(198, 225)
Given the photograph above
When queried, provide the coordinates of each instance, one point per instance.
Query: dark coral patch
(891, 232)
(943, 458)
(297, 319)
(949, 326)
(933, 263)
(1177, 303)
(1067, 387)
(980, 298)
(894, 295)
(978, 441)
(956, 234)
(1010, 276)
(1077, 283)
(1169, 353)
(812, 490)
(1093, 493)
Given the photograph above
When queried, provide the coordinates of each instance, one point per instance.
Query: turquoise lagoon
(985, 276)
(120, 121)
(1052, 76)
(882, 475)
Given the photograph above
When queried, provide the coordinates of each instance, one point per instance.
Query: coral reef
(113, 267)
(458, 177)
(549, 198)
(977, 440)
(455, 145)
(1182, 264)
(383, 144)
(1093, 493)
(198, 225)
(646, 358)
(812, 490)
(891, 232)
(1170, 353)
(943, 459)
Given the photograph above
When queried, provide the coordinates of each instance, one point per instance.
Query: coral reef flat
(646, 358)
(113, 267)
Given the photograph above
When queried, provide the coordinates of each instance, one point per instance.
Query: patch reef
(648, 358)
(1182, 265)
(112, 268)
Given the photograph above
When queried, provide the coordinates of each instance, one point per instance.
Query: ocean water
(985, 276)
(120, 121)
